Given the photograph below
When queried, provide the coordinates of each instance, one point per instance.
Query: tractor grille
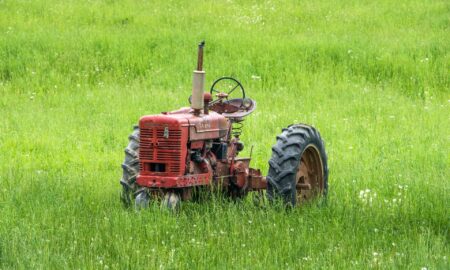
(160, 144)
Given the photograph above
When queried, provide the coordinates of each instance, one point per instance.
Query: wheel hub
(309, 177)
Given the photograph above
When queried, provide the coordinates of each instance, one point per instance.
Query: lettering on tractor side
(173, 156)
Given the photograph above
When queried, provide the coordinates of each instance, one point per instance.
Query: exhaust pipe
(198, 82)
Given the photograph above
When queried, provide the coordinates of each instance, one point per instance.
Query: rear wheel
(298, 169)
(130, 168)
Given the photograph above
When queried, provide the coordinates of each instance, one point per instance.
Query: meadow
(372, 76)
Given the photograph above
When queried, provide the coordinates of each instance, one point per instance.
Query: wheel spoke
(213, 102)
(234, 88)
(214, 90)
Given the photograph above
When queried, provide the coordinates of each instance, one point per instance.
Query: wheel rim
(142, 200)
(310, 175)
(172, 200)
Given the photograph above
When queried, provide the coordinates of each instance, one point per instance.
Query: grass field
(372, 76)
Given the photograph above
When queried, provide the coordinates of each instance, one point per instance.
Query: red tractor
(173, 155)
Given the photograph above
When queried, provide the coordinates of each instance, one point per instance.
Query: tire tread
(289, 147)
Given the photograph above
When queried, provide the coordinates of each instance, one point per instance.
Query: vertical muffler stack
(198, 82)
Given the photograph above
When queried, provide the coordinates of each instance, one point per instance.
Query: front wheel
(171, 201)
(298, 169)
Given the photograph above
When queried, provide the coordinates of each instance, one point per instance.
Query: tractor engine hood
(201, 127)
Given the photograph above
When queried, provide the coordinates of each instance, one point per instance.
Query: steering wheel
(227, 86)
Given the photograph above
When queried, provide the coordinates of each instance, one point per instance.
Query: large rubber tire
(130, 168)
(294, 144)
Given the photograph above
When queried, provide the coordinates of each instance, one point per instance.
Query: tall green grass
(373, 77)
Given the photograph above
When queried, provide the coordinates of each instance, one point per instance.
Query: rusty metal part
(236, 129)
(241, 173)
(197, 144)
(196, 111)
(206, 99)
(222, 172)
(309, 176)
(206, 127)
(200, 55)
(234, 108)
(223, 107)
(256, 180)
(222, 95)
(174, 182)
